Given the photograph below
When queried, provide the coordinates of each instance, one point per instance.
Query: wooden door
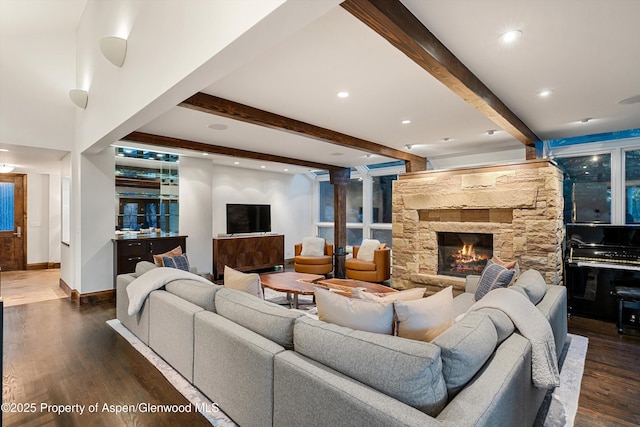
(13, 213)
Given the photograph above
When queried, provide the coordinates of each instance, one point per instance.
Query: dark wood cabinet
(129, 251)
(247, 253)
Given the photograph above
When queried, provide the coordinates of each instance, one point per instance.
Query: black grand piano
(598, 259)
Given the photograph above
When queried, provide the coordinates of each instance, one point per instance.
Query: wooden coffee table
(345, 286)
(291, 283)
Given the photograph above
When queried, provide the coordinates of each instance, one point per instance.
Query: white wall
(290, 197)
(43, 218)
(196, 216)
(175, 49)
(92, 241)
(67, 266)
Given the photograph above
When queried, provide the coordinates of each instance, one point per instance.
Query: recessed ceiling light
(406, 122)
(510, 36)
(586, 120)
(342, 94)
(446, 139)
(236, 163)
(263, 167)
(632, 100)
(491, 132)
(217, 126)
(545, 93)
(286, 170)
(4, 150)
(409, 146)
(205, 154)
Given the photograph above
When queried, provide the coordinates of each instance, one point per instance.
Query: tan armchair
(378, 270)
(313, 264)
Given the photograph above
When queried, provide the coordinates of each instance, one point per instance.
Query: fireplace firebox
(461, 254)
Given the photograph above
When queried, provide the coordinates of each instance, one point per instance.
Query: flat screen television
(246, 218)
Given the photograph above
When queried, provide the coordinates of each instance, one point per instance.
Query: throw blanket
(140, 288)
(532, 325)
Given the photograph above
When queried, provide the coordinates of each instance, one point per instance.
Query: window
(6, 206)
(382, 203)
(632, 186)
(383, 235)
(587, 188)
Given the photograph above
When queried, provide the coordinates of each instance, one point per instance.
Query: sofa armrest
(471, 283)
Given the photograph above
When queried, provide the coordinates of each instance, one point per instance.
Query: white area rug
(561, 404)
(558, 409)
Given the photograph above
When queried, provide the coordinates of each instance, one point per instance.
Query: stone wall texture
(520, 204)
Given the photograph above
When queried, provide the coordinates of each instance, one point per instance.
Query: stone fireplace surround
(519, 203)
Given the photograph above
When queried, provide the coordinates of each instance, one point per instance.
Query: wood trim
(43, 266)
(166, 141)
(393, 21)
(65, 287)
(108, 295)
(233, 110)
(89, 298)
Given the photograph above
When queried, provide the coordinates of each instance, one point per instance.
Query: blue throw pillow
(493, 276)
(180, 261)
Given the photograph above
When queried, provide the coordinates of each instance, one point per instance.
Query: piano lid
(620, 236)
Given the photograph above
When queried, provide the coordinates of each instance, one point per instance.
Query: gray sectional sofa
(267, 365)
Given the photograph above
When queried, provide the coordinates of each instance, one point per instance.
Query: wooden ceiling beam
(233, 110)
(393, 21)
(176, 143)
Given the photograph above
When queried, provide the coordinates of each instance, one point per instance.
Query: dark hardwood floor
(56, 353)
(610, 392)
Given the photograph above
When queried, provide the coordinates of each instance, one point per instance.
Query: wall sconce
(79, 97)
(5, 168)
(114, 49)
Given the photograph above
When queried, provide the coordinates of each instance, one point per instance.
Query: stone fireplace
(461, 254)
(519, 205)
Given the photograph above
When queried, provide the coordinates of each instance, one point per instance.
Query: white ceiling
(586, 51)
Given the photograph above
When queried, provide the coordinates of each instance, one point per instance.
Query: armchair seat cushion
(359, 265)
(313, 260)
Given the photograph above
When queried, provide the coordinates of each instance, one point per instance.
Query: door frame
(23, 177)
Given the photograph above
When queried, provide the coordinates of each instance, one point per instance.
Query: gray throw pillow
(493, 276)
(533, 284)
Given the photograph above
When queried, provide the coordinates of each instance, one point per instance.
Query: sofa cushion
(157, 259)
(198, 293)
(503, 324)
(493, 276)
(313, 260)
(367, 248)
(409, 371)
(353, 313)
(312, 246)
(244, 282)
(262, 317)
(406, 295)
(426, 318)
(142, 267)
(359, 265)
(179, 261)
(465, 347)
(533, 284)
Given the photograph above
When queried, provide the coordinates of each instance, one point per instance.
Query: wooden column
(340, 180)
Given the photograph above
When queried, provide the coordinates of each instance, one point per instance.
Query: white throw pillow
(406, 295)
(245, 282)
(426, 318)
(368, 246)
(312, 246)
(352, 313)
